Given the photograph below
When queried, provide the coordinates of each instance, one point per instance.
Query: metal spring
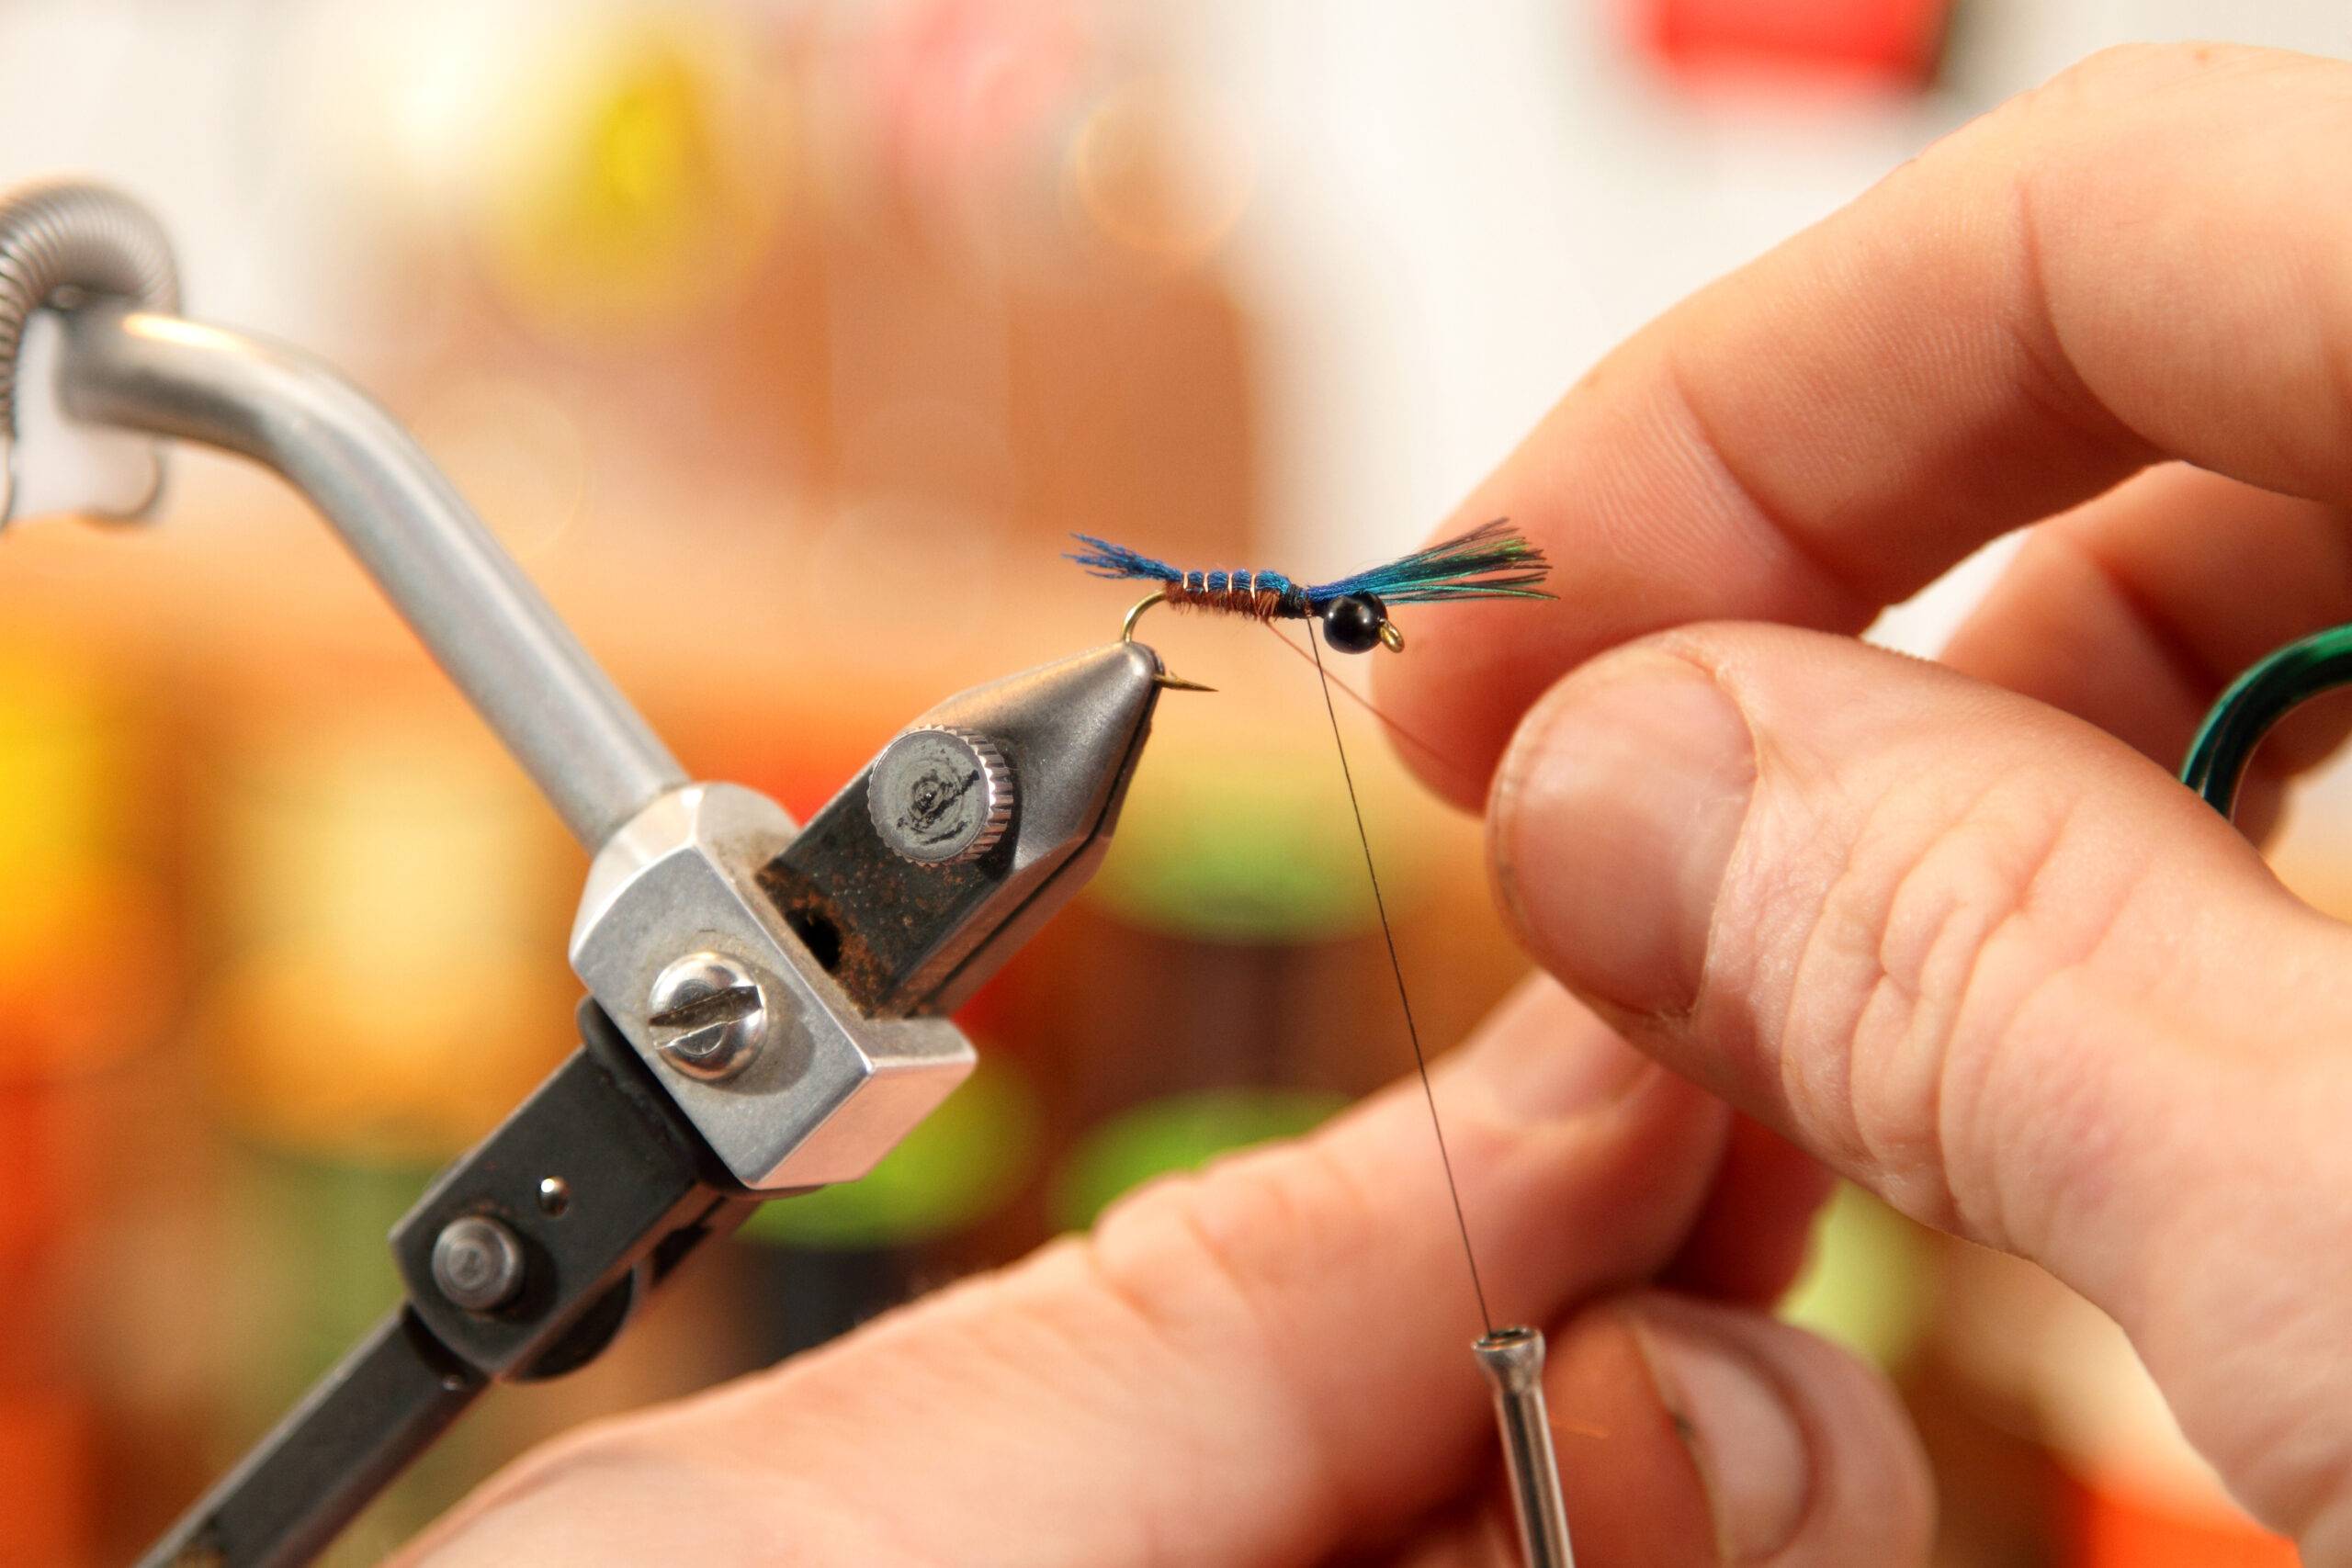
(66, 239)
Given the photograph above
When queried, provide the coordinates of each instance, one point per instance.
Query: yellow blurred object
(1867, 1280)
(60, 789)
(382, 837)
(59, 1016)
(397, 979)
(639, 183)
(406, 1063)
(67, 902)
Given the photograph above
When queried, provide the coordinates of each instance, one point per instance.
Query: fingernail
(1744, 1440)
(1615, 820)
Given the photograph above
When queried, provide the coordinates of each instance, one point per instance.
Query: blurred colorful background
(783, 343)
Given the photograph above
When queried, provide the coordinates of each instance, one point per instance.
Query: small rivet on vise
(477, 1263)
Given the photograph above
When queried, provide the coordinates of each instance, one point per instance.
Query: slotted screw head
(708, 1015)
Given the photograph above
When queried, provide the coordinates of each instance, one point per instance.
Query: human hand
(1270, 1363)
(1954, 929)
(1932, 923)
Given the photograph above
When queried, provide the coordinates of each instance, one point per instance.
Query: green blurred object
(323, 1225)
(960, 1164)
(323, 1276)
(1865, 1285)
(1244, 858)
(1182, 1132)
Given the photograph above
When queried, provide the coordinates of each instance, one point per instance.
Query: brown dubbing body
(1237, 593)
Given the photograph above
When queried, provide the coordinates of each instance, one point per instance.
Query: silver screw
(710, 1014)
(940, 796)
(555, 1196)
(478, 1263)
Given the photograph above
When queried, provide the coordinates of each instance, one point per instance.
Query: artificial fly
(1490, 562)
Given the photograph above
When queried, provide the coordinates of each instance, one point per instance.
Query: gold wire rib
(1164, 680)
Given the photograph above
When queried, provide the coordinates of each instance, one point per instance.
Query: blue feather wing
(1493, 561)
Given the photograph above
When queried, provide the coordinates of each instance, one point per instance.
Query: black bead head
(1351, 622)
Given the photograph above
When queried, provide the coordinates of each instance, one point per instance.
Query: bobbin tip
(1511, 1358)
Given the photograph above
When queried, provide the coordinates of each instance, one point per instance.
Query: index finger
(2125, 265)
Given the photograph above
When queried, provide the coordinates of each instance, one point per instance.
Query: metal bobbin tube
(1512, 1359)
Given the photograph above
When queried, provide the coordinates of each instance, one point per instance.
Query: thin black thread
(1426, 749)
(1396, 967)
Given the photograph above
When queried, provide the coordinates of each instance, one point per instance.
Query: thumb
(1986, 960)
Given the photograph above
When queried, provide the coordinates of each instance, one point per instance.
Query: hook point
(1165, 680)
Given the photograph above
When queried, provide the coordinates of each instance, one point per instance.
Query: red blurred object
(32, 1193)
(1891, 41)
(2115, 1528)
(968, 90)
(48, 1504)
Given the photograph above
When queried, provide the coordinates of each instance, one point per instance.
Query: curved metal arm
(589, 752)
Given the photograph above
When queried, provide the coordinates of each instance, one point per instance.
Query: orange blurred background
(784, 343)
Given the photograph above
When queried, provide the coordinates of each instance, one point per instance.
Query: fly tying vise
(1490, 562)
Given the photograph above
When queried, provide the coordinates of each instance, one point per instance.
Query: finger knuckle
(1922, 967)
(1235, 1234)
